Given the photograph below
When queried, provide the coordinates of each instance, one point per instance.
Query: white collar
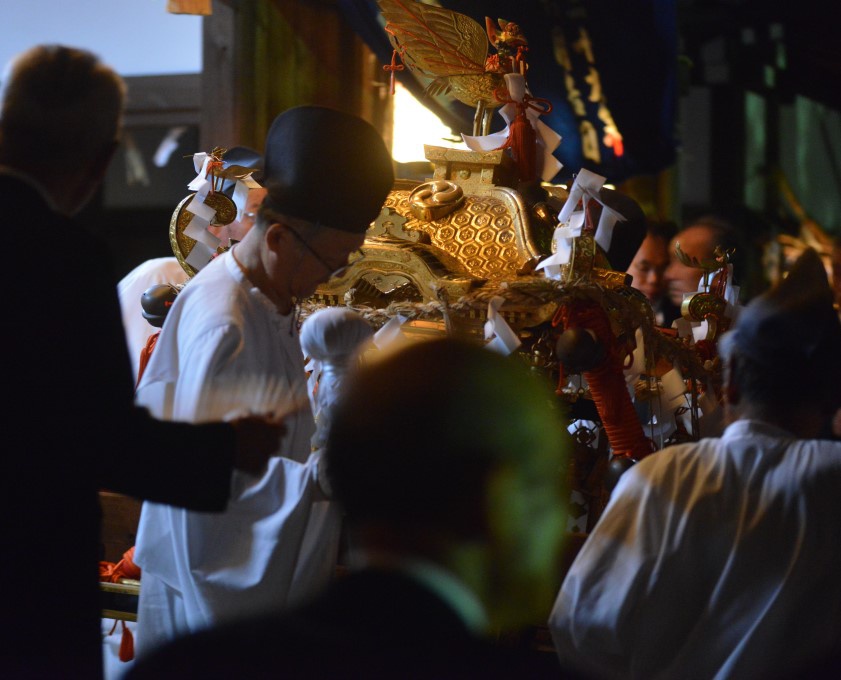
(751, 428)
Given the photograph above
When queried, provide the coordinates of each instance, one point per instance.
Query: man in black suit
(69, 422)
(449, 463)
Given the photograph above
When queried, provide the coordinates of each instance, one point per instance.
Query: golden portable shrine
(483, 249)
(486, 249)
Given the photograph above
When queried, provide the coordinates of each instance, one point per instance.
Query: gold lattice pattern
(481, 235)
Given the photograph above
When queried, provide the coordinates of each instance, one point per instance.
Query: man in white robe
(130, 289)
(719, 559)
(167, 270)
(230, 345)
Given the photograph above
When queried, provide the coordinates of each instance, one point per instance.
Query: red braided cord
(607, 383)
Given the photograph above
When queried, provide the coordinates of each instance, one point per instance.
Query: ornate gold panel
(439, 240)
(400, 270)
(487, 235)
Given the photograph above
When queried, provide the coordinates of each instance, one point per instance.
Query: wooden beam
(189, 7)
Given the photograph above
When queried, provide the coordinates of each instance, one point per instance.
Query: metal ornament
(182, 245)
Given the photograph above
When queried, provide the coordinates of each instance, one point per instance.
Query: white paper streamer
(197, 230)
(199, 256)
(486, 142)
(516, 84)
(547, 139)
(241, 189)
(199, 209)
(586, 184)
(390, 333)
(562, 239)
(633, 372)
(604, 230)
(200, 162)
(672, 390)
(699, 331)
(503, 340)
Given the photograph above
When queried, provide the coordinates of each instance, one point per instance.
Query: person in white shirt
(230, 345)
(719, 558)
(167, 270)
(449, 462)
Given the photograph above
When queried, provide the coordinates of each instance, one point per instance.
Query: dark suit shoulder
(368, 625)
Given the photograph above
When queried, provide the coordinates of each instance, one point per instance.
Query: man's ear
(732, 393)
(277, 237)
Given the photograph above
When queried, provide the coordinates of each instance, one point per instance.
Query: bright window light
(414, 126)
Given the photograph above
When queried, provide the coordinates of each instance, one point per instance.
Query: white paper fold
(547, 139)
(672, 390)
(562, 239)
(502, 339)
(199, 256)
(198, 183)
(637, 367)
(604, 230)
(586, 184)
(390, 333)
(198, 208)
(241, 189)
(486, 142)
(197, 230)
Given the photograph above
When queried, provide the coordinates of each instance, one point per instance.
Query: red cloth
(113, 573)
(125, 568)
(145, 355)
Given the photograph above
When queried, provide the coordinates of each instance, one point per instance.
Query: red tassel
(522, 141)
(126, 644)
(126, 641)
(393, 68)
(607, 383)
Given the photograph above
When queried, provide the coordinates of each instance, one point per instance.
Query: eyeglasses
(354, 256)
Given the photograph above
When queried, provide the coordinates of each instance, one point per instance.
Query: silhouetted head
(448, 452)
(783, 355)
(60, 120)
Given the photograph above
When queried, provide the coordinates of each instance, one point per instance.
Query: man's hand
(258, 438)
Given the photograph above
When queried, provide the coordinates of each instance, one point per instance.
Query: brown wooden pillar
(262, 57)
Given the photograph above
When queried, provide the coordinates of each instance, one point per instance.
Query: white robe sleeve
(596, 616)
(206, 388)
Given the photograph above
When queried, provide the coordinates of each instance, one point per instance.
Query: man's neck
(65, 193)
(247, 257)
(803, 422)
(33, 182)
(447, 584)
